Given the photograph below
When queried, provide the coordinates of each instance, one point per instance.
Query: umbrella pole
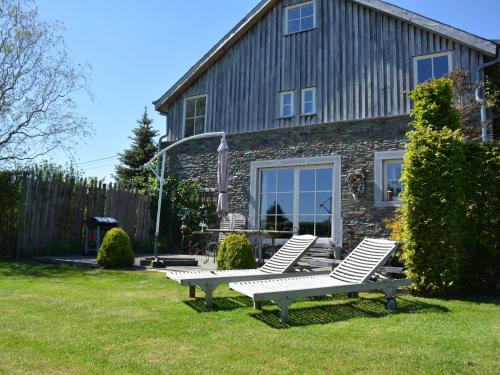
(158, 212)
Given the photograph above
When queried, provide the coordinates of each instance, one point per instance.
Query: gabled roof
(480, 44)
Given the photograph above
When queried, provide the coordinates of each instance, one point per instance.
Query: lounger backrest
(289, 254)
(364, 260)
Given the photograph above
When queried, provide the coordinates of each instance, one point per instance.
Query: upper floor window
(286, 104)
(300, 17)
(195, 115)
(432, 66)
(309, 101)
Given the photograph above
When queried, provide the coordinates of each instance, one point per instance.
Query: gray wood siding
(359, 60)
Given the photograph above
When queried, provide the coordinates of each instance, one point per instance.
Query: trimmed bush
(481, 271)
(116, 250)
(433, 209)
(434, 196)
(433, 105)
(235, 252)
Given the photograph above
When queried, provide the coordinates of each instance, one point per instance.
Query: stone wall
(354, 141)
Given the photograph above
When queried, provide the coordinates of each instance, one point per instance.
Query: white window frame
(303, 163)
(285, 31)
(184, 113)
(282, 98)
(379, 190)
(416, 59)
(303, 95)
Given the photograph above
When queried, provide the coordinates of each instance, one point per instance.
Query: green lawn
(56, 320)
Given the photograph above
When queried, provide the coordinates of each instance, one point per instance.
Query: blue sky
(138, 49)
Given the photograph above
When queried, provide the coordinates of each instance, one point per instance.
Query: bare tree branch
(37, 83)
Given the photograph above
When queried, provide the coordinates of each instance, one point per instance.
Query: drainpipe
(482, 101)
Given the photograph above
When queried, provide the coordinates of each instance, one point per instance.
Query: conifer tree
(130, 171)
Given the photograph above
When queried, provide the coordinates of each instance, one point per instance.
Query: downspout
(482, 101)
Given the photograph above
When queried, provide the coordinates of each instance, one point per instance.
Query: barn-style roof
(485, 46)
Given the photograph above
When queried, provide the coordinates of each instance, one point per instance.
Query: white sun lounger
(353, 275)
(279, 266)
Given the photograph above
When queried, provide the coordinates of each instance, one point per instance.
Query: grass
(57, 320)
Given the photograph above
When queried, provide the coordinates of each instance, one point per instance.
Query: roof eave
(485, 46)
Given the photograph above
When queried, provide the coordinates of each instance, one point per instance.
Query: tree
(37, 83)
(130, 172)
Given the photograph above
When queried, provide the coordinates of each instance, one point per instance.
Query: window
(432, 66)
(388, 186)
(300, 17)
(309, 101)
(392, 180)
(286, 109)
(300, 198)
(194, 115)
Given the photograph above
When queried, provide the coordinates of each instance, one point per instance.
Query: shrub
(433, 105)
(433, 209)
(480, 272)
(115, 250)
(235, 252)
(434, 198)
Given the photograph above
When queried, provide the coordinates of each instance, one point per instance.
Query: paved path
(90, 262)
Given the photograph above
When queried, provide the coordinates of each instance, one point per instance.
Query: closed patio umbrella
(222, 178)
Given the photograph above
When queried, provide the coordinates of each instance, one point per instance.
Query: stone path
(90, 262)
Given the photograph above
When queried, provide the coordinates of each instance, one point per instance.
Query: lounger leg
(284, 304)
(257, 305)
(209, 290)
(192, 291)
(390, 302)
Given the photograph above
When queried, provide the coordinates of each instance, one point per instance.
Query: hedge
(433, 209)
(450, 207)
(481, 266)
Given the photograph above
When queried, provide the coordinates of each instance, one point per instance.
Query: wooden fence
(53, 210)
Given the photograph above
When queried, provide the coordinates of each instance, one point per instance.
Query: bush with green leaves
(116, 250)
(434, 197)
(433, 105)
(10, 203)
(433, 209)
(235, 252)
(481, 271)
(181, 205)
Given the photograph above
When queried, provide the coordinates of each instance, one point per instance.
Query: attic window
(432, 66)
(194, 115)
(300, 17)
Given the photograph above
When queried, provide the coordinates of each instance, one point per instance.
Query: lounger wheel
(391, 304)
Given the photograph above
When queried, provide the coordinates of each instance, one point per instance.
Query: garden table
(259, 234)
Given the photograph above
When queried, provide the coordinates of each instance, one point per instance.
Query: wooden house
(313, 96)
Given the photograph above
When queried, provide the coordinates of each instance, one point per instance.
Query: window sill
(389, 204)
(286, 117)
(308, 114)
(299, 32)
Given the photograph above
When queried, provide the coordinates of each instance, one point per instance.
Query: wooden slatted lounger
(353, 275)
(281, 265)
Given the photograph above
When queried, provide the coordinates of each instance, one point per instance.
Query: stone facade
(356, 142)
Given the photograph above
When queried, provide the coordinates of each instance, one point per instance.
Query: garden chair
(228, 223)
(355, 274)
(281, 265)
